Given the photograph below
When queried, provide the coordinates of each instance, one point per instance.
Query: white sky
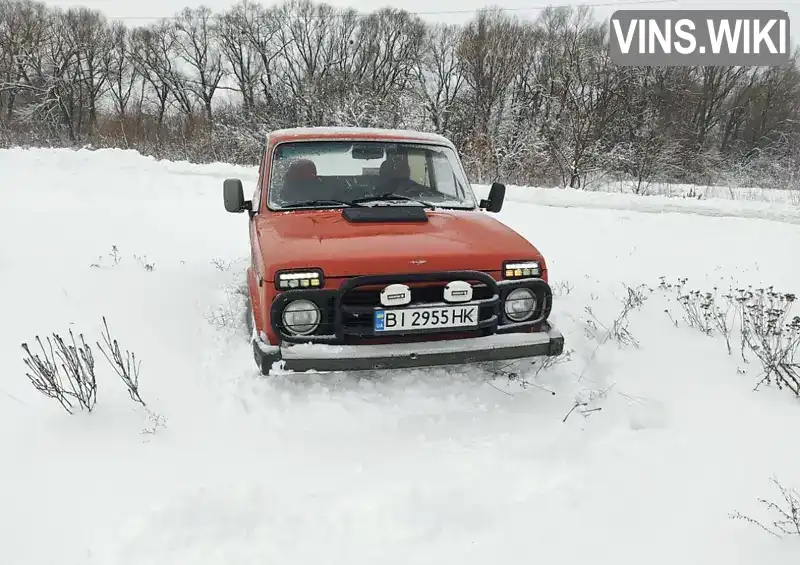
(459, 10)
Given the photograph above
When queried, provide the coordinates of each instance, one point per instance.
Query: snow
(763, 205)
(441, 465)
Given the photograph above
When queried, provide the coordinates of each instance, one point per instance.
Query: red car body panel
(450, 240)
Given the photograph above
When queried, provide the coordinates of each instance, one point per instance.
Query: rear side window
(446, 181)
(418, 165)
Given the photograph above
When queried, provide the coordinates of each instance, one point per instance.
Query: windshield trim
(470, 192)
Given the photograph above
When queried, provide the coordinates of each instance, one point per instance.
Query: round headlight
(301, 317)
(520, 304)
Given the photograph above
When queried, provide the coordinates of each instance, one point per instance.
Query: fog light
(520, 304)
(299, 279)
(301, 317)
(520, 269)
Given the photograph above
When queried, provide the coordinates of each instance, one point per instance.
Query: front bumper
(324, 357)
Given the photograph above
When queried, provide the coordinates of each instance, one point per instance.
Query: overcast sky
(454, 11)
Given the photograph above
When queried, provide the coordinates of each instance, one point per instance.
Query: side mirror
(497, 194)
(233, 195)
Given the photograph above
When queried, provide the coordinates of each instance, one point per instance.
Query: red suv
(369, 250)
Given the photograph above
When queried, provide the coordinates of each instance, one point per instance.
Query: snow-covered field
(427, 466)
(786, 195)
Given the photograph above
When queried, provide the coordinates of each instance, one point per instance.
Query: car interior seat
(394, 168)
(301, 182)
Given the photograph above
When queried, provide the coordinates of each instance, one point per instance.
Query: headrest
(301, 169)
(395, 167)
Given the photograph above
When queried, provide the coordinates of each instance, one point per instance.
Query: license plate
(433, 317)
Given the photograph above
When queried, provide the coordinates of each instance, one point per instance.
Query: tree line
(526, 101)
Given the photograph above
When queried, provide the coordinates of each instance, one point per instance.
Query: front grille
(358, 325)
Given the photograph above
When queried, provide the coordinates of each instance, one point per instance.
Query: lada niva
(369, 250)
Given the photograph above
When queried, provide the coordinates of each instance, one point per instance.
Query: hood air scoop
(381, 214)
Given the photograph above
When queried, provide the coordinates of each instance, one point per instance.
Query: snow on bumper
(498, 347)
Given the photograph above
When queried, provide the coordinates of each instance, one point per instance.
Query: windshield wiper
(311, 203)
(389, 197)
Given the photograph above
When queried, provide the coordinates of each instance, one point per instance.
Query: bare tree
(195, 45)
(234, 30)
(121, 70)
(491, 51)
(440, 74)
(587, 93)
(151, 52)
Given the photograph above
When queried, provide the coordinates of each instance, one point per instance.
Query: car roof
(361, 134)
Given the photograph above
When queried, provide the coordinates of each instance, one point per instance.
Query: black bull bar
(336, 325)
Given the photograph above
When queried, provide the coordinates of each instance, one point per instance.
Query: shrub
(66, 372)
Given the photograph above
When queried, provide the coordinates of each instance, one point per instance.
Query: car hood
(450, 240)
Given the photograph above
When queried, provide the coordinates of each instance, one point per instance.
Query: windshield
(328, 174)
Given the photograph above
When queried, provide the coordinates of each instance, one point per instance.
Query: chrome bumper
(322, 357)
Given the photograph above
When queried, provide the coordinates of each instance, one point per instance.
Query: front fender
(260, 316)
